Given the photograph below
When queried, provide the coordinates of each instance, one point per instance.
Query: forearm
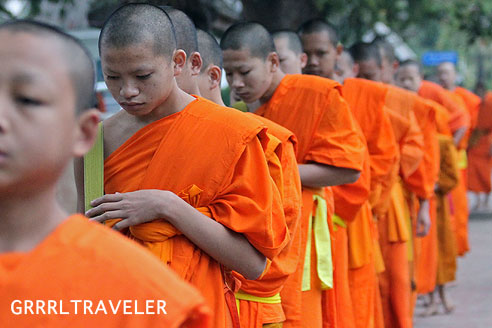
(227, 247)
(319, 176)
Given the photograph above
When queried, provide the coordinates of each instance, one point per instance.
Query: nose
(237, 82)
(129, 90)
(313, 60)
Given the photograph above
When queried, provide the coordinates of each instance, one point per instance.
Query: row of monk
(326, 205)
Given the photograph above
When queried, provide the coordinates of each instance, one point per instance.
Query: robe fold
(479, 157)
(313, 109)
(228, 176)
(82, 260)
(393, 224)
(281, 157)
(366, 100)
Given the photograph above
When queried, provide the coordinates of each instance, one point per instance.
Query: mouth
(131, 105)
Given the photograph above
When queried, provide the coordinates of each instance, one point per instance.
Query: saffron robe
(82, 260)
(281, 157)
(479, 158)
(366, 99)
(314, 110)
(448, 179)
(221, 170)
(393, 225)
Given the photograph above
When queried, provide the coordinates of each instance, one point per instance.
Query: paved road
(472, 293)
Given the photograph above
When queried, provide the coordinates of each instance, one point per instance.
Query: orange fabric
(448, 179)
(286, 177)
(460, 206)
(459, 117)
(363, 286)
(480, 165)
(233, 178)
(472, 102)
(107, 268)
(367, 99)
(484, 120)
(394, 282)
(426, 266)
(423, 180)
(313, 109)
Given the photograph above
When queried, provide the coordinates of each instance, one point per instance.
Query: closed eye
(144, 77)
(27, 101)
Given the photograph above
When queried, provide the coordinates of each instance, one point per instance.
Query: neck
(26, 220)
(277, 78)
(216, 97)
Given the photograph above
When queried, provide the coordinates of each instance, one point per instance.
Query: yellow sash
(338, 222)
(462, 159)
(323, 247)
(240, 295)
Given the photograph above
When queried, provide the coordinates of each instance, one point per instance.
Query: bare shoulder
(117, 129)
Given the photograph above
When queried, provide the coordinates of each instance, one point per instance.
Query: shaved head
(293, 42)
(137, 23)
(186, 38)
(344, 67)
(77, 58)
(411, 62)
(362, 51)
(210, 50)
(251, 36)
(386, 50)
(318, 25)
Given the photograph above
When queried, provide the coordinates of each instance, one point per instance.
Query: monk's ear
(179, 61)
(274, 61)
(196, 63)
(304, 59)
(85, 132)
(215, 76)
(395, 65)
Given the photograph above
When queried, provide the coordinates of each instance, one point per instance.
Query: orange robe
(393, 225)
(281, 157)
(366, 99)
(81, 260)
(227, 179)
(426, 249)
(479, 159)
(448, 179)
(314, 110)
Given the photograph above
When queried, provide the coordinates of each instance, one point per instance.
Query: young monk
(312, 108)
(366, 100)
(447, 77)
(46, 118)
(290, 54)
(394, 222)
(203, 214)
(259, 301)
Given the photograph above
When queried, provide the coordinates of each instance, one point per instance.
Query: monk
(394, 218)
(479, 155)
(290, 54)
(328, 155)
(446, 72)
(259, 301)
(448, 179)
(366, 100)
(203, 215)
(47, 97)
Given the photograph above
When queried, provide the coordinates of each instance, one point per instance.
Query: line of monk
(331, 198)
